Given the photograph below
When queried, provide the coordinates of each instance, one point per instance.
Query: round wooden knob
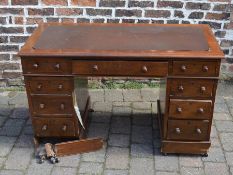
(201, 110)
(57, 66)
(62, 106)
(42, 106)
(203, 89)
(44, 128)
(181, 88)
(183, 68)
(178, 130)
(179, 110)
(144, 69)
(64, 128)
(95, 68)
(60, 86)
(198, 130)
(39, 86)
(205, 68)
(35, 65)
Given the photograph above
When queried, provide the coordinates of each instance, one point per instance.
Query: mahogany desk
(186, 57)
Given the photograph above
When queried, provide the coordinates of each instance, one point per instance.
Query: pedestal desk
(186, 58)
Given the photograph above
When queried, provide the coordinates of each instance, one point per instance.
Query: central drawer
(120, 68)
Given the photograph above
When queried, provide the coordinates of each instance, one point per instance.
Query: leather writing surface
(123, 38)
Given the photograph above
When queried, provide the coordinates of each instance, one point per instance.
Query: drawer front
(53, 105)
(120, 68)
(188, 130)
(50, 85)
(192, 88)
(192, 68)
(190, 109)
(46, 66)
(53, 127)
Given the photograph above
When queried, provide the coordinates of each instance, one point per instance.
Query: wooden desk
(186, 57)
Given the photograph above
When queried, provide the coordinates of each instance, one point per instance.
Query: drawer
(120, 68)
(190, 109)
(188, 130)
(53, 127)
(46, 66)
(194, 68)
(192, 88)
(54, 105)
(50, 85)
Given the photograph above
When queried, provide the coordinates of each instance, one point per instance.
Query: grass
(130, 84)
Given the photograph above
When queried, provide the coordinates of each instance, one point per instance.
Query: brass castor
(205, 155)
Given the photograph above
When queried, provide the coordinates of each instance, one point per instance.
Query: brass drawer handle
(178, 130)
(35, 65)
(205, 68)
(39, 86)
(57, 66)
(181, 88)
(64, 128)
(62, 106)
(183, 68)
(60, 86)
(200, 110)
(203, 89)
(144, 69)
(179, 110)
(95, 68)
(42, 106)
(198, 130)
(44, 128)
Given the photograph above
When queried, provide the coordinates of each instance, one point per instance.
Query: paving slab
(19, 159)
(139, 166)
(117, 158)
(216, 168)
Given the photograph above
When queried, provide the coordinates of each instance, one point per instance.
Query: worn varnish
(186, 57)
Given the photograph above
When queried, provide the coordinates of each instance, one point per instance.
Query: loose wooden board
(78, 146)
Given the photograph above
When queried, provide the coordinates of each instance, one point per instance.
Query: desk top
(122, 40)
